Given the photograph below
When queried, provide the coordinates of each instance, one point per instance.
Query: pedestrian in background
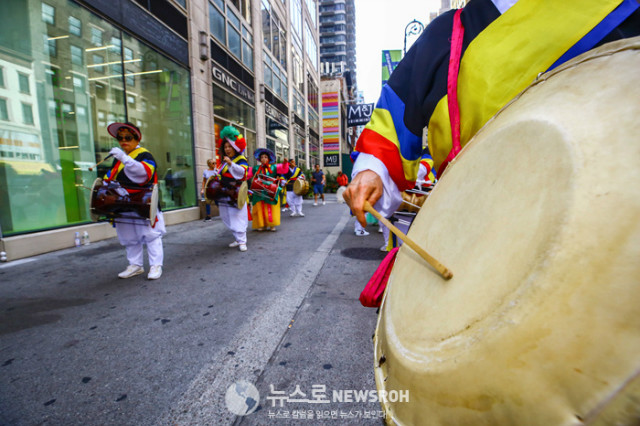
(342, 179)
(318, 180)
(211, 164)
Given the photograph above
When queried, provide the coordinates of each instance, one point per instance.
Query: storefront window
(59, 103)
(278, 134)
(233, 109)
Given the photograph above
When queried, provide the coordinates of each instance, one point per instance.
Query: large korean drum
(539, 220)
(233, 194)
(111, 200)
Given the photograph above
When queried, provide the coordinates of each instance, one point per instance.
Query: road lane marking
(253, 345)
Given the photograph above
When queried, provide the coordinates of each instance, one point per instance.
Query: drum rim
(153, 206)
(242, 195)
(95, 217)
(206, 185)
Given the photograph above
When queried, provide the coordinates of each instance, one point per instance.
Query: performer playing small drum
(133, 167)
(233, 170)
(266, 210)
(295, 200)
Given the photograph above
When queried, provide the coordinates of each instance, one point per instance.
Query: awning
(27, 167)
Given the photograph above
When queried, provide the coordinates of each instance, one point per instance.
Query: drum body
(111, 200)
(265, 188)
(233, 194)
(412, 202)
(301, 187)
(340, 194)
(538, 218)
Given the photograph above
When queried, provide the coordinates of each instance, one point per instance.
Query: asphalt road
(80, 346)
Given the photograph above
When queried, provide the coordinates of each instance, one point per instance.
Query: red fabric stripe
(114, 172)
(386, 151)
(148, 170)
(452, 89)
(427, 166)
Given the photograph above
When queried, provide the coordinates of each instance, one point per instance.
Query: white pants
(295, 202)
(385, 234)
(236, 220)
(134, 233)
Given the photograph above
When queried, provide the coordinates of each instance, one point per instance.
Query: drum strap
(457, 36)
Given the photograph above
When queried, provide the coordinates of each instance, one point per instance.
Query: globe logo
(242, 398)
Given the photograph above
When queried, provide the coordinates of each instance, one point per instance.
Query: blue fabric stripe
(410, 144)
(150, 162)
(593, 37)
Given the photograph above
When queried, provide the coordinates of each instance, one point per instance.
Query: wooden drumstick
(443, 270)
(100, 162)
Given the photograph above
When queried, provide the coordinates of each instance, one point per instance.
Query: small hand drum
(111, 200)
(300, 187)
(265, 188)
(233, 194)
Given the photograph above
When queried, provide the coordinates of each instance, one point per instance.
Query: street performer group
(134, 171)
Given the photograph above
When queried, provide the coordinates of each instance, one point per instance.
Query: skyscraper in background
(338, 40)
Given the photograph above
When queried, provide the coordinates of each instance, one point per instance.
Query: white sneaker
(301, 214)
(294, 214)
(285, 209)
(273, 229)
(323, 203)
(131, 271)
(383, 248)
(361, 233)
(243, 247)
(155, 272)
(315, 204)
(379, 230)
(234, 244)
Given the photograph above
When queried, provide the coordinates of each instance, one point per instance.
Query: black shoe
(207, 219)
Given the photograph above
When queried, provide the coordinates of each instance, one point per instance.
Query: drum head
(242, 195)
(96, 184)
(206, 185)
(538, 220)
(300, 187)
(153, 205)
(339, 194)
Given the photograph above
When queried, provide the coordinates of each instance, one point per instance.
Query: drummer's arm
(371, 182)
(139, 172)
(238, 171)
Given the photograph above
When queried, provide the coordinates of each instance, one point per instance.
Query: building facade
(178, 69)
(338, 72)
(338, 40)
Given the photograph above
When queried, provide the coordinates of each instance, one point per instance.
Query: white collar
(503, 5)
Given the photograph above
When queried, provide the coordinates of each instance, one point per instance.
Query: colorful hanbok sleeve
(501, 56)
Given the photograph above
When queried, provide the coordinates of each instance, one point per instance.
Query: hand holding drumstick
(365, 190)
(100, 162)
(446, 273)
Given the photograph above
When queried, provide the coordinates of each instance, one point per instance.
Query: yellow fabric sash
(133, 154)
(235, 159)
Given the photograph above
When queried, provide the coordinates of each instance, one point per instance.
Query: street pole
(414, 27)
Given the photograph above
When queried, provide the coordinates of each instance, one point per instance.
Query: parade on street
(349, 212)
